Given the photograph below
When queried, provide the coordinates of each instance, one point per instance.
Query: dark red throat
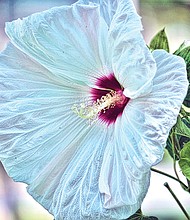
(105, 85)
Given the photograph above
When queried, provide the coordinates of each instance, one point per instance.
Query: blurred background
(174, 15)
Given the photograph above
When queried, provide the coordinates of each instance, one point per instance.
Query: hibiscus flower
(86, 108)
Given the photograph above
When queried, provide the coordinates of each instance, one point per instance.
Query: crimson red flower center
(109, 91)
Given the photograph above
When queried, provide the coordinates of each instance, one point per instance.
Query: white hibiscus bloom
(86, 108)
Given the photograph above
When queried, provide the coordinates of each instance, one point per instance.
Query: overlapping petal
(132, 62)
(70, 41)
(140, 134)
(161, 107)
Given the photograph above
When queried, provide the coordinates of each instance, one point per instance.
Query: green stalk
(170, 176)
(177, 200)
(174, 159)
(188, 182)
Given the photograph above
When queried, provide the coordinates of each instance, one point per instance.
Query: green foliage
(179, 135)
(184, 52)
(182, 127)
(184, 161)
(187, 98)
(159, 41)
(139, 216)
(170, 148)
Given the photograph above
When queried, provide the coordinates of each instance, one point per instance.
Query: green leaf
(182, 133)
(184, 52)
(169, 146)
(160, 41)
(182, 126)
(172, 152)
(179, 135)
(139, 216)
(185, 112)
(184, 161)
(187, 99)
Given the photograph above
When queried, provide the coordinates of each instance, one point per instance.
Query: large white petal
(73, 193)
(35, 109)
(70, 41)
(140, 135)
(133, 64)
(124, 178)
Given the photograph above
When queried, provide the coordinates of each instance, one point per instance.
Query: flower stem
(170, 176)
(188, 182)
(177, 200)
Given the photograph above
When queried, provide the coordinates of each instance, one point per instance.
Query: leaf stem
(174, 144)
(170, 176)
(177, 200)
(175, 170)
